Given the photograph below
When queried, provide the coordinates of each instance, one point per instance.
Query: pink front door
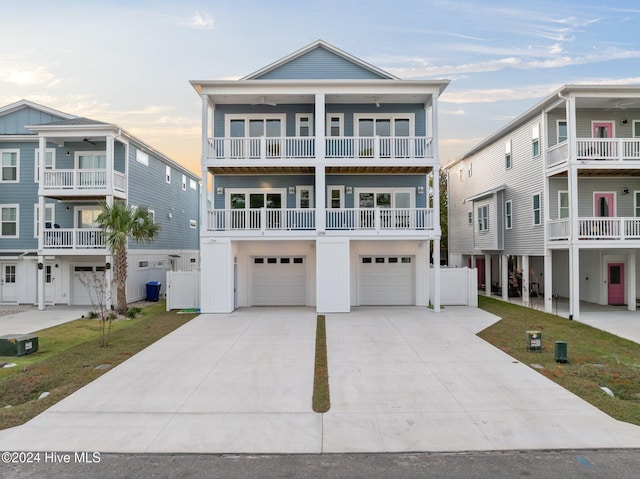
(603, 204)
(602, 129)
(615, 283)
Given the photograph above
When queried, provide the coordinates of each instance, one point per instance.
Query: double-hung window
(537, 209)
(535, 140)
(507, 155)
(508, 214)
(483, 218)
(10, 164)
(9, 215)
(562, 131)
(563, 204)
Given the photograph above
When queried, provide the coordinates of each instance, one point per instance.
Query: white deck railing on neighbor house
(600, 149)
(380, 219)
(261, 219)
(335, 147)
(558, 154)
(73, 238)
(81, 180)
(610, 228)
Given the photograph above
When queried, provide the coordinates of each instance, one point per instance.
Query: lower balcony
(607, 228)
(296, 220)
(63, 183)
(73, 239)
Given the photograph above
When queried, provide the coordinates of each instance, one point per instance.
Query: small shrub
(113, 316)
(133, 312)
(92, 315)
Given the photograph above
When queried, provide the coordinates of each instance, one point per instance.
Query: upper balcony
(603, 153)
(94, 183)
(595, 230)
(376, 150)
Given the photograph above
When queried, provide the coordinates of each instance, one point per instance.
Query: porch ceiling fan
(263, 101)
(89, 141)
(620, 104)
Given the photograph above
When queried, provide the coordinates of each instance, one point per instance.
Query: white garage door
(279, 281)
(387, 280)
(85, 283)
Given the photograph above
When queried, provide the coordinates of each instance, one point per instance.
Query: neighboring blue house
(56, 169)
(320, 167)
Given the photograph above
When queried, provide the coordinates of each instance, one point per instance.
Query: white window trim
(193, 184)
(633, 126)
(78, 154)
(535, 139)
(80, 208)
(507, 154)
(327, 125)
(167, 174)
(508, 217)
(254, 116)
(17, 207)
(193, 224)
(411, 191)
(11, 150)
(330, 188)
(636, 204)
(460, 173)
(184, 182)
(299, 117)
(230, 191)
(470, 218)
(470, 170)
(483, 219)
(384, 116)
(558, 130)
(300, 188)
(533, 210)
(36, 176)
(142, 157)
(36, 216)
(560, 192)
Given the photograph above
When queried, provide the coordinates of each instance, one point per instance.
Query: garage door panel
(85, 280)
(279, 283)
(388, 280)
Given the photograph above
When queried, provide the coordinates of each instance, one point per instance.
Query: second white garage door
(387, 280)
(279, 281)
(86, 281)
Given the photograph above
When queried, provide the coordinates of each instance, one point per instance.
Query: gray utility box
(18, 344)
(534, 341)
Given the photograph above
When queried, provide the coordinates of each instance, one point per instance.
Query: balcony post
(622, 234)
(263, 147)
(376, 147)
(263, 219)
(631, 281)
(319, 119)
(548, 281)
(110, 163)
(321, 198)
(376, 219)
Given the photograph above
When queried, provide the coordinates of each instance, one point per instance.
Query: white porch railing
(608, 149)
(336, 147)
(81, 179)
(558, 229)
(378, 147)
(73, 238)
(261, 219)
(261, 147)
(380, 219)
(558, 154)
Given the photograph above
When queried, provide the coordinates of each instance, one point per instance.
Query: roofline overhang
(18, 105)
(485, 194)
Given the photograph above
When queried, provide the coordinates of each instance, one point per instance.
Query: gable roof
(19, 105)
(320, 44)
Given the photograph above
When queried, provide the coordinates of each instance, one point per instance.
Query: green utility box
(18, 344)
(561, 352)
(534, 341)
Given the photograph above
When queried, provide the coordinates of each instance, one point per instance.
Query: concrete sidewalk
(401, 379)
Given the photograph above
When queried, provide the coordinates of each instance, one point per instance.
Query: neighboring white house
(56, 169)
(319, 169)
(552, 200)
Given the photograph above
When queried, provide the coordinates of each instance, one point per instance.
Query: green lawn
(596, 358)
(67, 356)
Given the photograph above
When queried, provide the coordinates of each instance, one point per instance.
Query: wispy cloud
(491, 95)
(200, 21)
(29, 76)
(458, 112)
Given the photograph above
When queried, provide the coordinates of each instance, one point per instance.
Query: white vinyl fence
(183, 289)
(458, 286)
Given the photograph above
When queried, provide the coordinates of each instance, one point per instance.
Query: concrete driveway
(401, 379)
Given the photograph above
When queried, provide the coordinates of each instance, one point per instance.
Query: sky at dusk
(130, 62)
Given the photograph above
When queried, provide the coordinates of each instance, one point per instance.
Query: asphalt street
(565, 464)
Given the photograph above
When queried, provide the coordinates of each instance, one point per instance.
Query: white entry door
(278, 281)
(387, 280)
(49, 277)
(8, 291)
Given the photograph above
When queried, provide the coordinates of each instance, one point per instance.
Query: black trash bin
(153, 290)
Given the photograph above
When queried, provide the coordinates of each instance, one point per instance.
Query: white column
(436, 275)
(504, 276)
(525, 280)
(110, 140)
(108, 280)
(548, 281)
(321, 199)
(41, 225)
(204, 193)
(631, 281)
(333, 275)
(320, 116)
(434, 127)
(429, 298)
(574, 281)
(487, 274)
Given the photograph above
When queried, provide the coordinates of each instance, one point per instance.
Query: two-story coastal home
(56, 169)
(319, 169)
(552, 201)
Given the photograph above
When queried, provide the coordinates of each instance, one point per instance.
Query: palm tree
(120, 222)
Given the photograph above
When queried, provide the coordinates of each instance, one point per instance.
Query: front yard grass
(596, 358)
(67, 357)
